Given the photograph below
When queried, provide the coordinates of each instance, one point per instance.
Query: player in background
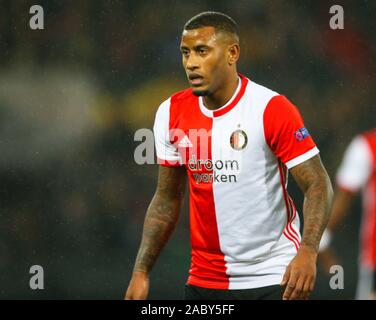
(245, 236)
(357, 172)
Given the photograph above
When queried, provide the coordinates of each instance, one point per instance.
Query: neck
(223, 94)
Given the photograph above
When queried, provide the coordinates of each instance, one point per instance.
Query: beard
(201, 93)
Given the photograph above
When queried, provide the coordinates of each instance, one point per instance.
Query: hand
(138, 288)
(300, 275)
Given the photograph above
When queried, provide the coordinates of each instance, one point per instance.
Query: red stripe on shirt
(287, 232)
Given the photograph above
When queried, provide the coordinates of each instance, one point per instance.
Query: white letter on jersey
(336, 281)
(337, 21)
(37, 280)
(37, 20)
(147, 146)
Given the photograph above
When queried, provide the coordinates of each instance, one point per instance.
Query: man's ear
(233, 53)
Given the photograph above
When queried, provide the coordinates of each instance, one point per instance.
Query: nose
(192, 63)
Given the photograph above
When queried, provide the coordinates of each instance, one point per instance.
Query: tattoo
(314, 181)
(162, 216)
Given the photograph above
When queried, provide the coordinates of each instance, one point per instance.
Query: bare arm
(313, 180)
(161, 216)
(160, 221)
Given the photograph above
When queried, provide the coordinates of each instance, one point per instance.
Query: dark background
(72, 95)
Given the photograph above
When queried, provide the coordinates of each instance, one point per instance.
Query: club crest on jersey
(301, 134)
(238, 140)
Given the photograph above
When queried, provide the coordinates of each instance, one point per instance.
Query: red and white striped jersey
(244, 226)
(358, 171)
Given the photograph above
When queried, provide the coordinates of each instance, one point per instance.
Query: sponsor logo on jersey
(207, 171)
(238, 140)
(301, 134)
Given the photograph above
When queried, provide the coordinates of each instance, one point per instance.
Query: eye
(202, 51)
(185, 53)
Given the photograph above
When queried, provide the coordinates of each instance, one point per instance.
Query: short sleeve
(167, 153)
(355, 168)
(286, 134)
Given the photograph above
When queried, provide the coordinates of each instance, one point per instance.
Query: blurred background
(72, 198)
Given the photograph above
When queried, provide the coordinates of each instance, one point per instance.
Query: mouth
(195, 79)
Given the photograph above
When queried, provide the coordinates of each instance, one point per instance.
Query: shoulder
(260, 94)
(280, 109)
(269, 103)
(369, 135)
(260, 90)
(178, 100)
(182, 95)
(368, 139)
(270, 98)
(359, 145)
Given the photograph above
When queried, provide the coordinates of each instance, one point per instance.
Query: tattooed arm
(313, 180)
(160, 221)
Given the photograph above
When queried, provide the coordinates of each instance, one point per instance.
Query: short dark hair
(218, 20)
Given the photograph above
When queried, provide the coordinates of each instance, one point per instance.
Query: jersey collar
(238, 94)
